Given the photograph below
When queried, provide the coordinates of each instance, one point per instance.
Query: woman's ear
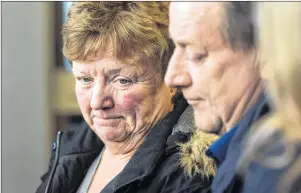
(173, 91)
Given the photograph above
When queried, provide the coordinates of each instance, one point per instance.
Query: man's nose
(101, 98)
(177, 74)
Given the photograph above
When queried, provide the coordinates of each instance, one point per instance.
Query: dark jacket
(154, 167)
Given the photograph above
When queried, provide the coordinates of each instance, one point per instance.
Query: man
(215, 64)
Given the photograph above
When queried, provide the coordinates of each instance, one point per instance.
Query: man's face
(211, 75)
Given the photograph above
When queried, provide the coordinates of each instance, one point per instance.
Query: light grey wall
(27, 56)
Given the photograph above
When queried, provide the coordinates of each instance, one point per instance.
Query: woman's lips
(108, 122)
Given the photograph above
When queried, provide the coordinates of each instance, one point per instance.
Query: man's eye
(197, 57)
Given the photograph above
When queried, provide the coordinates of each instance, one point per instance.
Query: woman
(273, 150)
(119, 53)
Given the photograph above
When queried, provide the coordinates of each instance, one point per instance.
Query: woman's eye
(85, 79)
(124, 81)
(121, 82)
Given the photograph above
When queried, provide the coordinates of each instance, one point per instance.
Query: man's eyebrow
(181, 43)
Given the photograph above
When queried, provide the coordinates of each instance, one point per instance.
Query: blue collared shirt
(218, 149)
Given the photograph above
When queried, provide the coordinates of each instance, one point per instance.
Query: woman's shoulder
(174, 174)
(78, 138)
(174, 178)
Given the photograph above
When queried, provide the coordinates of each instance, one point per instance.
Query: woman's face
(120, 100)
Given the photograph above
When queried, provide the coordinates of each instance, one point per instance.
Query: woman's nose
(101, 98)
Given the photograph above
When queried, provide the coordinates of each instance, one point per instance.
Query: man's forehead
(190, 20)
(181, 6)
(182, 18)
(194, 8)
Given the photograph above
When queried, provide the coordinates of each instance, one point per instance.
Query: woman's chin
(106, 133)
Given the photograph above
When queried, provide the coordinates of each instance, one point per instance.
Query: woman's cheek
(130, 101)
(83, 99)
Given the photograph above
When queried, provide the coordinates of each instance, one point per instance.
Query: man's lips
(194, 101)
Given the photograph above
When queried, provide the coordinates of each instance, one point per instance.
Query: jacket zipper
(58, 138)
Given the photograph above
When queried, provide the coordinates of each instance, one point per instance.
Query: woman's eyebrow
(113, 71)
(78, 71)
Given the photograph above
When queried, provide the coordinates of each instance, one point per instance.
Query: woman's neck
(124, 150)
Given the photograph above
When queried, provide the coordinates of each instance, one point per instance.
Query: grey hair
(238, 26)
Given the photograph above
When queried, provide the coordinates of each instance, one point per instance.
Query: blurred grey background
(37, 91)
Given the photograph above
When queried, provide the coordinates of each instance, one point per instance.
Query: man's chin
(207, 129)
(208, 124)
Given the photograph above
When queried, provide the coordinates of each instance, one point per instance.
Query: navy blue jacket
(253, 177)
(228, 149)
(261, 177)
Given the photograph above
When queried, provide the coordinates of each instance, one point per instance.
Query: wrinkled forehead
(190, 20)
(181, 11)
(181, 6)
(182, 19)
(198, 13)
(196, 9)
(112, 54)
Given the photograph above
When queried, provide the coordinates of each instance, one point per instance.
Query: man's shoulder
(278, 159)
